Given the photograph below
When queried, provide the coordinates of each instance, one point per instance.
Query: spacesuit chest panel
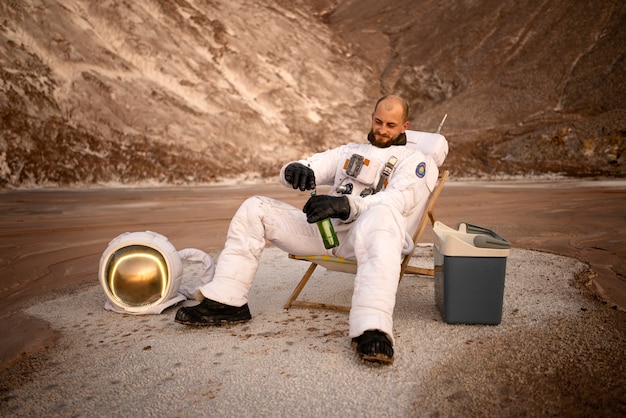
(362, 169)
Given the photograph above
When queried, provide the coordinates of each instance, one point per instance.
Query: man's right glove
(323, 206)
(300, 176)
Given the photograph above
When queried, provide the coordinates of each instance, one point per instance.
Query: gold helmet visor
(137, 275)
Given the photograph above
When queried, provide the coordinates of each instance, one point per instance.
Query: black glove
(322, 207)
(300, 176)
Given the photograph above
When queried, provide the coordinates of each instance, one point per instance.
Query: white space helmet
(141, 272)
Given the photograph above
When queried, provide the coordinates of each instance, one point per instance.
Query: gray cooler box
(470, 267)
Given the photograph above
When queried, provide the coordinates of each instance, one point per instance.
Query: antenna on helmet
(441, 123)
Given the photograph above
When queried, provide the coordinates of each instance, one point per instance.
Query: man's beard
(388, 141)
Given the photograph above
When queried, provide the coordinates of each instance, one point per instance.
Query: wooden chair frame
(349, 266)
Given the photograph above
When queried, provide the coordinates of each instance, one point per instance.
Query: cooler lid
(469, 241)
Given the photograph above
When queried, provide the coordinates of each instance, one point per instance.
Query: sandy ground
(558, 350)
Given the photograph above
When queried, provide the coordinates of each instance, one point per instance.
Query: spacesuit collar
(400, 140)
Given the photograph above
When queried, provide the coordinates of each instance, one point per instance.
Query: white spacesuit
(374, 234)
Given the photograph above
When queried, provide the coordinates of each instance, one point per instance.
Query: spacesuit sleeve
(411, 182)
(323, 164)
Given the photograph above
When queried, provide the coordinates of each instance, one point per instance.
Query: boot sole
(216, 323)
(376, 358)
(372, 358)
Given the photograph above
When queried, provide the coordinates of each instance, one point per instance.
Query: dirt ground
(52, 240)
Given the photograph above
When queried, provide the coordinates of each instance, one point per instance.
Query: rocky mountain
(194, 91)
(530, 86)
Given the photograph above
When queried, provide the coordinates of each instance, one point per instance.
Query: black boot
(209, 312)
(374, 346)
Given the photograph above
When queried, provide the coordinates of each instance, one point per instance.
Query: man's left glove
(323, 206)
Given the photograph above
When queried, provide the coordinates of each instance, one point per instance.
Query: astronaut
(378, 189)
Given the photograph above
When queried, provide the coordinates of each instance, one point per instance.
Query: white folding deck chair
(431, 144)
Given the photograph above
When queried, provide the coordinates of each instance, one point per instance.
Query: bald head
(391, 101)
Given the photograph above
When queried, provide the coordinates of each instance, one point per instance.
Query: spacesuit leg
(378, 238)
(257, 219)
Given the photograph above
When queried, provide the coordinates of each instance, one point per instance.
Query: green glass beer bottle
(329, 237)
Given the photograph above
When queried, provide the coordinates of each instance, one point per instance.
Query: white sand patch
(296, 363)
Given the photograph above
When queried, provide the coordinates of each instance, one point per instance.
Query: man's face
(387, 123)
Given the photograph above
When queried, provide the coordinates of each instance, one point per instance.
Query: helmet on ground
(140, 271)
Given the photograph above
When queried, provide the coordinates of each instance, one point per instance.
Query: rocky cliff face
(529, 86)
(184, 91)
